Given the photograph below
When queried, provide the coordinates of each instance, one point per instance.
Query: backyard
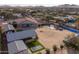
(50, 37)
(35, 46)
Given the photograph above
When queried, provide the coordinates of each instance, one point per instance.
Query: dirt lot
(49, 37)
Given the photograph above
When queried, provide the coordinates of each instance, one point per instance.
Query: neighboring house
(26, 23)
(77, 24)
(71, 19)
(65, 19)
(60, 19)
(7, 27)
(18, 15)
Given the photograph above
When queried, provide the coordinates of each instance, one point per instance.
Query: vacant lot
(49, 37)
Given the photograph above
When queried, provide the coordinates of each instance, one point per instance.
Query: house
(7, 27)
(28, 35)
(14, 41)
(59, 19)
(17, 47)
(77, 24)
(18, 15)
(65, 19)
(71, 18)
(26, 23)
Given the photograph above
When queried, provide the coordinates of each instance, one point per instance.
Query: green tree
(48, 18)
(55, 48)
(61, 46)
(14, 24)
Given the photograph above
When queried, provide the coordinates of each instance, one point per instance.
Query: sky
(37, 2)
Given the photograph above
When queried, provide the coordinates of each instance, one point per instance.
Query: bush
(47, 51)
(61, 46)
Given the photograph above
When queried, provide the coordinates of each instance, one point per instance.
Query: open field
(49, 37)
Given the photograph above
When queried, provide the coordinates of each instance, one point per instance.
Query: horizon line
(46, 5)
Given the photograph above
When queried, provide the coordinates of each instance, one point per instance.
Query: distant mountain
(68, 6)
(59, 6)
